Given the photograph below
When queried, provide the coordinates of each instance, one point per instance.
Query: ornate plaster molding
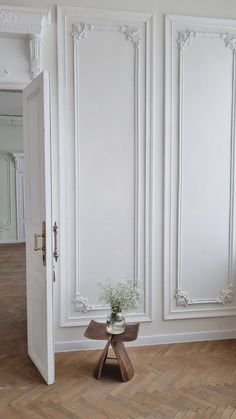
(81, 304)
(131, 35)
(19, 161)
(23, 20)
(185, 38)
(35, 56)
(226, 296)
(4, 155)
(183, 299)
(80, 31)
(8, 16)
(230, 41)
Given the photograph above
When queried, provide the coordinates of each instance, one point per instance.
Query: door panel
(36, 107)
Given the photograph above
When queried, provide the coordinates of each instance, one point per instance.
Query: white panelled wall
(199, 268)
(11, 181)
(105, 162)
(141, 197)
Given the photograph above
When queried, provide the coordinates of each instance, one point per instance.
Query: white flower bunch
(121, 296)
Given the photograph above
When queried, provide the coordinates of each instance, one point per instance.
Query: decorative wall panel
(7, 204)
(105, 74)
(20, 196)
(199, 261)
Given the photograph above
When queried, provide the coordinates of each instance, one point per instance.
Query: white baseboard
(8, 241)
(81, 345)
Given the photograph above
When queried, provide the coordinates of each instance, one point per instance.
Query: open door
(39, 262)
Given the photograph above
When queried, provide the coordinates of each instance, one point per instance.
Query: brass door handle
(36, 242)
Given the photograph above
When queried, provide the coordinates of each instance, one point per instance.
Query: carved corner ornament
(131, 35)
(81, 304)
(226, 296)
(230, 41)
(185, 38)
(4, 155)
(182, 298)
(80, 31)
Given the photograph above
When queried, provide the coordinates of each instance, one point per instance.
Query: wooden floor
(196, 380)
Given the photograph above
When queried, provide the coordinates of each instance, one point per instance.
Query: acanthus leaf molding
(81, 304)
(230, 41)
(81, 31)
(8, 16)
(185, 38)
(182, 298)
(226, 296)
(131, 35)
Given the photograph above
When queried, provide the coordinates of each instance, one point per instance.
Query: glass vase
(115, 323)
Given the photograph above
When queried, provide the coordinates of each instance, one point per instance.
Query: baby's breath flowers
(121, 296)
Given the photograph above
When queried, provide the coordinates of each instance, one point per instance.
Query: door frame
(28, 24)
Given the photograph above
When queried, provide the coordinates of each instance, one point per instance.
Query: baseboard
(8, 241)
(80, 345)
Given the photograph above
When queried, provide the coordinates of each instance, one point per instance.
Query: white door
(39, 264)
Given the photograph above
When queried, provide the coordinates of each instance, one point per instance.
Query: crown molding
(26, 21)
(23, 20)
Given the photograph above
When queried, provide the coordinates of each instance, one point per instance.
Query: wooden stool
(97, 331)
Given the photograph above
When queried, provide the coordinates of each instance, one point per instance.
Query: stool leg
(101, 361)
(124, 362)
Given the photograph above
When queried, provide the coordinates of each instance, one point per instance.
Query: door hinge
(36, 243)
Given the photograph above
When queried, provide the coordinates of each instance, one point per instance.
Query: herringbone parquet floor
(192, 380)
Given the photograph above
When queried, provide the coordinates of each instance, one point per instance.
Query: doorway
(37, 266)
(21, 47)
(13, 337)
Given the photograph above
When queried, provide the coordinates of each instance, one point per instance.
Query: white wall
(158, 329)
(11, 141)
(11, 138)
(199, 167)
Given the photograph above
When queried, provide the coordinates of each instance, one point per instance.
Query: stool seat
(97, 331)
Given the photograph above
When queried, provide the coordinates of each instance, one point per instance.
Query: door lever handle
(55, 252)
